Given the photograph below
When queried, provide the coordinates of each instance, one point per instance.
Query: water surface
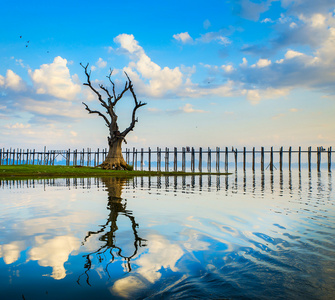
(244, 236)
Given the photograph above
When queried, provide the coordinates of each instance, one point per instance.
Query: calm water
(258, 236)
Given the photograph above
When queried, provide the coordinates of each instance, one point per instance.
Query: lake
(248, 235)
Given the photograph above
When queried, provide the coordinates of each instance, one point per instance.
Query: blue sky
(214, 73)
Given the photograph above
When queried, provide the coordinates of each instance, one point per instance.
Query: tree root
(115, 164)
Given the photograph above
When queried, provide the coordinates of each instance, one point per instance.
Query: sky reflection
(171, 236)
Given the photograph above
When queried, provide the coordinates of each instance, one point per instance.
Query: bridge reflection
(259, 183)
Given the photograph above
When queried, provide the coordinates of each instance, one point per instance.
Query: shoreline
(38, 171)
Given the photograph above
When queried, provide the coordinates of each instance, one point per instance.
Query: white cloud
(267, 20)
(37, 135)
(54, 79)
(206, 38)
(188, 70)
(326, 52)
(213, 69)
(267, 80)
(244, 62)
(227, 68)
(195, 90)
(214, 36)
(128, 42)
(17, 126)
(20, 62)
(299, 28)
(262, 80)
(2, 80)
(13, 81)
(262, 63)
(183, 37)
(155, 81)
(256, 95)
(53, 108)
(101, 63)
(88, 95)
(188, 108)
(253, 96)
(297, 70)
(284, 19)
(291, 54)
(152, 80)
(316, 20)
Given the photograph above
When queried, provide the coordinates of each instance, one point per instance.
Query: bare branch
(110, 97)
(110, 80)
(137, 106)
(112, 124)
(89, 84)
(131, 87)
(97, 112)
(119, 96)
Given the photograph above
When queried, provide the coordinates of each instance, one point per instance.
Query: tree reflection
(109, 248)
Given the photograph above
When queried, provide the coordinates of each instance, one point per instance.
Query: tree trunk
(114, 159)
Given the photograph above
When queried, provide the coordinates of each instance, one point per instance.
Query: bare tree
(114, 159)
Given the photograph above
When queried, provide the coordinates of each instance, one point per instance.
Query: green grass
(37, 171)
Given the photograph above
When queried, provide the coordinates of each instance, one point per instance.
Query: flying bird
(20, 36)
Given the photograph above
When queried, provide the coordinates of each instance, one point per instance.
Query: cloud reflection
(11, 252)
(46, 224)
(54, 253)
(162, 254)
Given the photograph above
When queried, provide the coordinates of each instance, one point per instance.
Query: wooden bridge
(185, 159)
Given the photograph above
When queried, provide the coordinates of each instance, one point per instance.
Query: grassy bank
(36, 171)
